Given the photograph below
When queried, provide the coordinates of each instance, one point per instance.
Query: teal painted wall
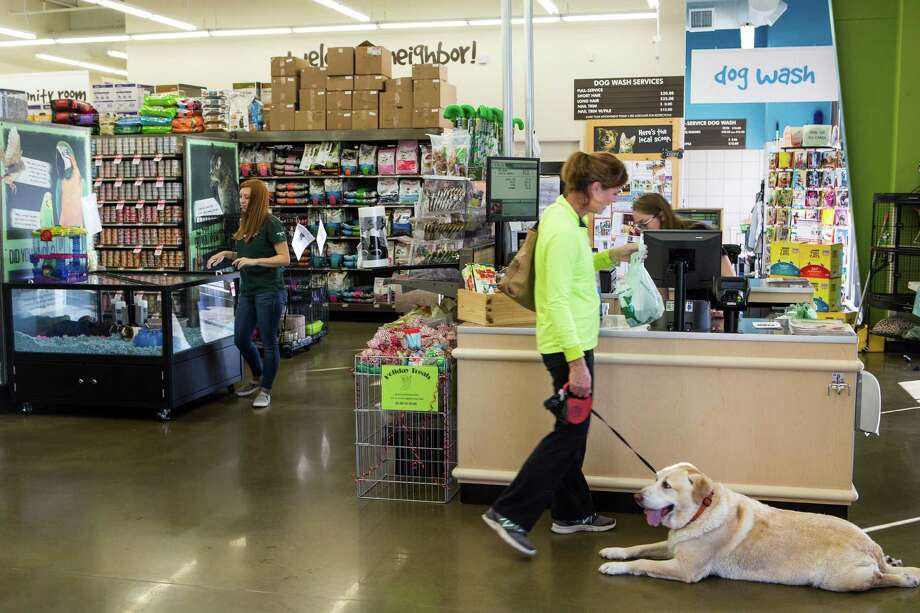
(878, 46)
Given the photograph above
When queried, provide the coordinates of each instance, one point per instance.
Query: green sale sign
(409, 388)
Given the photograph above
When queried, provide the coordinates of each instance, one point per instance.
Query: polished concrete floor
(226, 510)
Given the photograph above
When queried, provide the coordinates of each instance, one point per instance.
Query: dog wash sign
(773, 74)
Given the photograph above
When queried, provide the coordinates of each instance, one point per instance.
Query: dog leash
(625, 442)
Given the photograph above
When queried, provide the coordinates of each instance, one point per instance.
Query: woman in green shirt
(261, 254)
(568, 322)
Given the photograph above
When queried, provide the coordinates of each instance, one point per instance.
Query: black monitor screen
(700, 250)
(513, 188)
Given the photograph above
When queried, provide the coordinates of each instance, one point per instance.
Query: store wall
(878, 44)
(563, 52)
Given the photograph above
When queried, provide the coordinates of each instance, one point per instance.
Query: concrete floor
(225, 510)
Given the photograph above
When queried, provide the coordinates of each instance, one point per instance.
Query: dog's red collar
(703, 505)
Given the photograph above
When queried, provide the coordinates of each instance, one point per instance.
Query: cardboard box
(429, 71)
(266, 97)
(396, 99)
(310, 120)
(429, 118)
(374, 60)
(340, 84)
(403, 86)
(433, 93)
(784, 259)
(284, 117)
(340, 61)
(267, 118)
(285, 90)
(365, 120)
(180, 89)
(369, 82)
(313, 78)
(366, 100)
(338, 120)
(827, 294)
(339, 101)
(395, 117)
(288, 66)
(312, 100)
(491, 309)
(821, 261)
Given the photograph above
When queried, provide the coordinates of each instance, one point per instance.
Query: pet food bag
(639, 298)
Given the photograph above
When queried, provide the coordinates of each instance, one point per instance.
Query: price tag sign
(137, 160)
(98, 183)
(137, 250)
(140, 204)
(118, 182)
(119, 205)
(161, 205)
(159, 183)
(158, 158)
(158, 251)
(98, 161)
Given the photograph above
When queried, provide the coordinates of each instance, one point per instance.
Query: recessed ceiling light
(114, 38)
(341, 8)
(121, 55)
(414, 25)
(79, 64)
(27, 43)
(549, 6)
(136, 11)
(171, 35)
(251, 32)
(17, 33)
(352, 27)
(609, 17)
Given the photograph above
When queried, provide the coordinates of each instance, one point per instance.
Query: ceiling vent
(701, 20)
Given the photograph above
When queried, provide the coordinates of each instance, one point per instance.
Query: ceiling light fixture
(516, 21)
(251, 32)
(609, 17)
(17, 33)
(27, 43)
(549, 6)
(112, 38)
(129, 9)
(352, 27)
(416, 25)
(121, 55)
(171, 35)
(341, 8)
(79, 64)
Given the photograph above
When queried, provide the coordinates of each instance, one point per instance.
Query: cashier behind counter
(688, 257)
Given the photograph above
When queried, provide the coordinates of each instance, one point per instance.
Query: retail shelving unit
(895, 261)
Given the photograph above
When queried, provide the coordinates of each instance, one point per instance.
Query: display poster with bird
(46, 174)
(212, 168)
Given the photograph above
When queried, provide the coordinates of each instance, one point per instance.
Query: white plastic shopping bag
(639, 298)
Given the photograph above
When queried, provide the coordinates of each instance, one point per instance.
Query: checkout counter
(768, 413)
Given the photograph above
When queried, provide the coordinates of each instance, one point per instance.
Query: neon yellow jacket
(568, 305)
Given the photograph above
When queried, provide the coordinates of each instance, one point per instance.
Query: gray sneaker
(262, 401)
(593, 523)
(248, 390)
(510, 532)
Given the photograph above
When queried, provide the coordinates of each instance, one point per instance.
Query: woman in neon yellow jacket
(568, 323)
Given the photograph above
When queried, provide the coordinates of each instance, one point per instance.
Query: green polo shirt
(568, 305)
(262, 279)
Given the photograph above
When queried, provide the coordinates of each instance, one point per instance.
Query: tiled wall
(728, 180)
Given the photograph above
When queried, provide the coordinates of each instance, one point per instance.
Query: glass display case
(133, 340)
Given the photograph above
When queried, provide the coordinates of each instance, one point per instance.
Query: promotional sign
(409, 388)
(633, 138)
(769, 74)
(212, 168)
(629, 98)
(43, 87)
(46, 176)
(715, 133)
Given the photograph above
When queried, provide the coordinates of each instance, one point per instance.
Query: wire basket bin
(405, 455)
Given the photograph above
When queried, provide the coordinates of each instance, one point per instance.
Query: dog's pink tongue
(654, 517)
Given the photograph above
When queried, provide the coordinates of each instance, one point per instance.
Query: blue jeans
(262, 311)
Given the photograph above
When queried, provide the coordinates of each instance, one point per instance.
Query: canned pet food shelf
(139, 269)
(135, 179)
(141, 225)
(132, 247)
(344, 206)
(305, 176)
(134, 202)
(142, 156)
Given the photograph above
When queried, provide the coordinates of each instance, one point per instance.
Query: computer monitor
(513, 188)
(684, 260)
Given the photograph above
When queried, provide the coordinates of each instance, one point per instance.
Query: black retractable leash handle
(625, 442)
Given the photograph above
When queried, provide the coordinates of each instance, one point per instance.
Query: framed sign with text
(629, 98)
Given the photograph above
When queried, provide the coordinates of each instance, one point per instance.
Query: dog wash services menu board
(715, 133)
(213, 198)
(629, 98)
(46, 182)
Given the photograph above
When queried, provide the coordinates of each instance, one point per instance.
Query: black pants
(552, 474)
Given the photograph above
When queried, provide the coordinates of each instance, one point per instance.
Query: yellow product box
(784, 259)
(827, 294)
(821, 261)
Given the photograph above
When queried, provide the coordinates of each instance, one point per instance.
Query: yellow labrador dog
(715, 531)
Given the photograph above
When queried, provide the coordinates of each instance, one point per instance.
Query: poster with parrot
(45, 172)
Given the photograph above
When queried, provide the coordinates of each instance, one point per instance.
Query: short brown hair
(582, 169)
(656, 205)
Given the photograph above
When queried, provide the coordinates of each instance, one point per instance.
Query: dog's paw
(892, 562)
(613, 553)
(912, 580)
(613, 568)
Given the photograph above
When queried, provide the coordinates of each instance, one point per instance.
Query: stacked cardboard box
(822, 265)
(311, 99)
(281, 114)
(430, 94)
